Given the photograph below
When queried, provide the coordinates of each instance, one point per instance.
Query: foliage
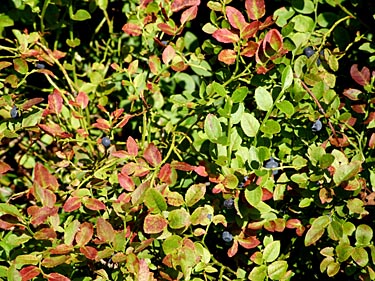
(187, 140)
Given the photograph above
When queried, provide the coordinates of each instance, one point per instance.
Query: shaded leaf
(361, 77)
(90, 252)
(54, 261)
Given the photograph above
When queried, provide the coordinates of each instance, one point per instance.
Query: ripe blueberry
(229, 203)
(40, 65)
(272, 163)
(14, 112)
(317, 126)
(106, 141)
(227, 237)
(308, 51)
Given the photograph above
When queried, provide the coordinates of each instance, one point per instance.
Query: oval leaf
(195, 193)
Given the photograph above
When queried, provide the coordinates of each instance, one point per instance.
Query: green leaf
(249, 124)
(32, 120)
(154, 201)
(240, 94)
(253, 196)
(343, 251)
(178, 218)
(9, 209)
(195, 193)
(171, 244)
(271, 127)
(263, 99)
(317, 230)
(286, 78)
(303, 23)
(333, 268)
(363, 235)
(81, 15)
(20, 65)
(286, 107)
(102, 4)
(360, 256)
(212, 128)
(346, 172)
(258, 273)
(271, 251)
(277, 270)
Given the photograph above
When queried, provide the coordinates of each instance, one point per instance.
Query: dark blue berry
(308, 51)
(40, 65)
(317, 126)
(14, 112)
(272, 163)
(229, 203)
(209, 216)
(227, 237)
(106, 141)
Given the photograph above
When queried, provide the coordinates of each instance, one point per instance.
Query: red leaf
(40, 215)
(144, 271)
(46, 196)
(266, 194)
(165, 174)
(126, 182)
(132, 146)
(102, 124)
(182, 166)
(85, 233)
(55, 102)
(178, 5)
(132, 29)
(189, 14)
(82, 99)
(359, 108)
(154, 64)
(54, 130)
(124, 121)
(370, 118)
(361, 77)
(154, 224)
(167, 29)
(90, 252)
(58, 54)
(235, 18)
(233, 250)
(224, 35)
(293, 223)
(255, 8)
(168, 54)
(249, 242)
(201, 170)
(152, 155)
(178, 64)
(250, 30)
(94, 204)
(61, 249)
(31, 102)
(57, 277)
(4, 167)
(29, 272)
(274, 38)
(72, 203)
(250, 49)
(227, 56)
(43, 178)
(352, 94)
(120, 154)
(104, 231)
(45, 233)
(371, 142)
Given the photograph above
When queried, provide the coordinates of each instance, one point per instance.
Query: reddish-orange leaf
(54, 130)
(233, 250)
(72, 203)
(359, 108)
(120, 154)
(61, 249)
(154, 64)
(167, 29)
(201, 170)
(58, 54)
(55, 102)
(104, 231)
(371, 142)
(227, 56)
(46, 196)
(224, 35)
(249, 242)
(144, 271)
(6, 225)
(293, 223)
(82, 99)
(57, 277)
(102, 124)
(45, 233)
(179, 5)
(266, 194)
(84, 234)
(250, 49)
(165, 174)
(43, 178)
(132, 29)
(361, 77)
(250, 30)
(235, 18)
(124, 121)
(255, 8)
(189, 14)
(352, 94)
(152, 155)
(29, 272)
(94, 204)
(40, 215)
(179, 65)
(182, 166)
(4, 167)
(28, 104)
(168, 54)
(132, 146)
(154, 224)
(90, 252)
(274, 39)
(126, 182)
(256, 225)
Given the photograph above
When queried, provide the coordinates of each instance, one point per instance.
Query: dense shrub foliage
(187, 140)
